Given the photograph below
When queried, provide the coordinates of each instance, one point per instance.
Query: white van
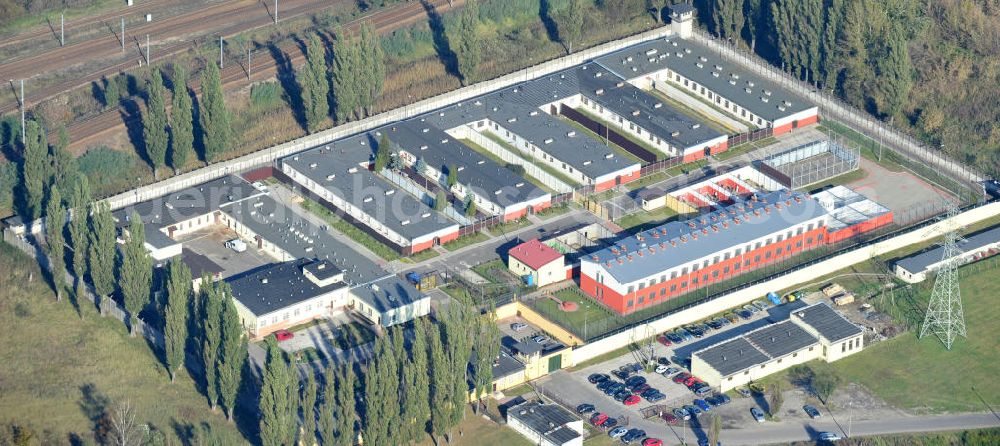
(236, 245)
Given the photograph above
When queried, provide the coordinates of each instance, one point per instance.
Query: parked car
(675, 338)
(620, 374)
(704, 326)
(760, 304)
(652, 442)
(812, 411)
(684, 334)
(671, 371)
(681, 377)
(693, 410)
(670, 418)
(283, 335)
(745, 393)
(656, 397)
(713, 401)
(597, 378)
(261, 187)
(622, 395)
(639, 389)
(751, 308)
(633, 435)
(757, 415)
(663, 360)
(682, 413)
(660, 369)
(635, 367)
(631, 400)
(702, 389)
(703, 405)
(827, 436)
(518, 326)
(745, 314)
(691, 381)
(702, 441)
(635, 380)
(236, 245)
(715, 324)
(585, 408)
(610, 423)
(732, 318)
(723, 398)
(697, 332)
(617, 432)
(663, 339)
(599, 419)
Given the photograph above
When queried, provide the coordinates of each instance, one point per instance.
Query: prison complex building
(916, 268)
(813, 332)
(372, 293)
(675, 63)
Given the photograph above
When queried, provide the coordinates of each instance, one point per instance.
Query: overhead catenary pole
(222, 63)
(248, 62)
(148, 59)
(62, 29)
(23, 137)
(276, 12)
(123, 34)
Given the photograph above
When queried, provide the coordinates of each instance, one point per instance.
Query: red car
(663, 340)
(652, 442)
(681, 377)
(670, 418)
(598, 419)
(283, 335)
(632, 400)
(691, 380)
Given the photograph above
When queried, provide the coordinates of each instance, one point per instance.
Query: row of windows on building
(719, 100)
(762, 366)
(631, 125)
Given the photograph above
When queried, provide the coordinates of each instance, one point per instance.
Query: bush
(106, 168)
(266, 94)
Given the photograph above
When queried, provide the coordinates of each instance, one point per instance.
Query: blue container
(413, 277)
(529, 280)
(774, 298)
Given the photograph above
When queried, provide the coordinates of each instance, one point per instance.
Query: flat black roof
(780, 339)
(702, 65)
(187, 203)
(322, 269)
(547, 420)
(731, 356)
(918, 263)
(273, 287)
(828, 322)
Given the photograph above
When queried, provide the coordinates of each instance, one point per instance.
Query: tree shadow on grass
(286, 77)
(545, 14)
(132, 116)
(94, 404)
(440, 37)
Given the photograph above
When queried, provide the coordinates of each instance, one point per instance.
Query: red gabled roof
(534, 253)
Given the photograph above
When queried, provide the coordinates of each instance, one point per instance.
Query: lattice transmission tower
(945, 317)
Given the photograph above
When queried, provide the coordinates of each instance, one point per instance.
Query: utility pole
(275, 12)
(248, 61)
(123, 34)
(222, 63)
(148, 59)
(62, 29)
(23, 137)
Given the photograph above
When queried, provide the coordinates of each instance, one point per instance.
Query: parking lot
(571, 388)
(211, 242)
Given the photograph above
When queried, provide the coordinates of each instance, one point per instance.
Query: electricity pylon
(945, 318)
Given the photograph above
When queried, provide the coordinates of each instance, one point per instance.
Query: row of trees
(349, 85)
(857, 47)
(170, 141)
(414, 385)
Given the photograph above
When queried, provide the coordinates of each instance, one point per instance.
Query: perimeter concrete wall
(789, 280)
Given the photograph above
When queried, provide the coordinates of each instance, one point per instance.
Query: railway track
(173, 35)
(265, 65)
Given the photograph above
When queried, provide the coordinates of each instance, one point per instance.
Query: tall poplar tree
(308, 437)
(154, 123)
(175, 317)
(372, 68)
(314, 85)
(459, 347)
(441, 374)
(468, 44)
(327, 410)
(416, 388)
(211, 338)
(135, 272)
(571, 23)
(216, 131)
(381, 383)
(181, 121)
(34, 170)
(346, 403)
(278, 401)
(79, 202)
(232, 350)
(101, 252)
(345, 77)
(486, 343)
(55, 223)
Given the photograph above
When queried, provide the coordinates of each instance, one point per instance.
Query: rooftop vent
(313, 165)
(404, 222)
(658, 105)
(651, 52)
(571, 133)
(533, 113)
(695, 126)
(609, 156)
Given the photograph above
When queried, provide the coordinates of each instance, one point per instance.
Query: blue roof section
(700, 64)
(678, 243)
(920, 262)
(341, 168)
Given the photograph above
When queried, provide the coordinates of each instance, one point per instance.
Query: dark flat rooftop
(273, 287)
(780, 339)
(828, 322)
(920, 262)
(734, 355)
(548, 420)
(188, 203)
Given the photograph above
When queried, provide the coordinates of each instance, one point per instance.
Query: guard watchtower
(681, 19)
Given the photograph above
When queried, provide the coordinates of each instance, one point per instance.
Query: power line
(945, 317)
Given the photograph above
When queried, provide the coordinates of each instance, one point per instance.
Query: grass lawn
(551, 171)
(554, 210)
(641, 220)
(659, 155)
(696, 114)
(647, 180)
(578, 321)
(839, 180)
(426, 254)
(510, 166)
(378, 248)
(58, 372)
(494, 271)
(465, 240)
(919, 374)
(475, 430)
(352, 335)
(510, 226)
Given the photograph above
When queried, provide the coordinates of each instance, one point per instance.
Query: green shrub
(266, 94)
(106, 168)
